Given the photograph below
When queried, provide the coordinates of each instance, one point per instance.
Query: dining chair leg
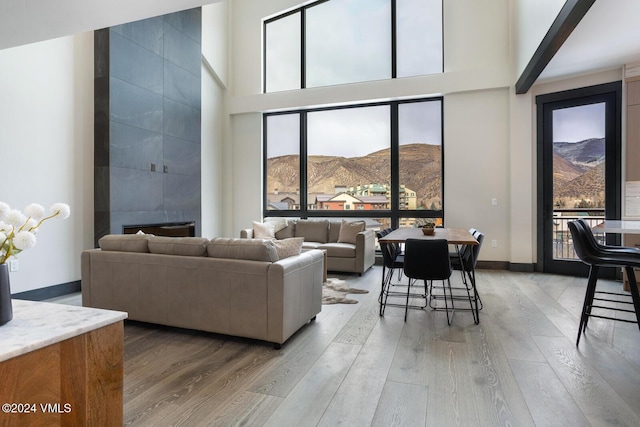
(635, 295)
(444, 292)
(406, 307)
(588, 300)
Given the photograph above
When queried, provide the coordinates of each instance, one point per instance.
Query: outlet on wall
(14, 265)
(494, 243)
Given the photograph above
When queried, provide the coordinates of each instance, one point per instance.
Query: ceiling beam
(567, 20)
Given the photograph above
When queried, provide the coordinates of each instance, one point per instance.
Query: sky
(576, 124)
(354, 132)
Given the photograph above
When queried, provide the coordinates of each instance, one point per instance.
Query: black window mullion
(395, 165)
(303, 48)
(394, 49)
(265, 197)
(303, 165)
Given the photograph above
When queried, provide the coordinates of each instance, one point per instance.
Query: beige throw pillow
(349, 231)
(264, 230)
(278, 223)
(288, 247)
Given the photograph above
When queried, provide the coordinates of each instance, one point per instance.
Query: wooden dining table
(458, 237)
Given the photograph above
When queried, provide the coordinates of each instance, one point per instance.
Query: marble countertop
(38, 324)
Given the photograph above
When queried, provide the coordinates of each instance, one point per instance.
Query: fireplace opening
(170, 229)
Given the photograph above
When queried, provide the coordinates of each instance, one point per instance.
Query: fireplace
(171, 229)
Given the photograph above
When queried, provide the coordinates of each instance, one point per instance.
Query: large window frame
(395, 214)
(303, 56)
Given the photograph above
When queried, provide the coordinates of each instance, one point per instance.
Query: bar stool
(596, 256)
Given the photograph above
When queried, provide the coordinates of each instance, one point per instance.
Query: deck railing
(562, 242)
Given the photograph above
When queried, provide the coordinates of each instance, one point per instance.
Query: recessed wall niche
(147, 153)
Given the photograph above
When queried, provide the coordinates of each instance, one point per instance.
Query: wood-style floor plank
(593, 395)
(307, 402)
(519, 366)
(549, 402)
(356, 400)
(401, 405)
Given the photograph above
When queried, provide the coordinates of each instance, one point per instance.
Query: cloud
(576, 124)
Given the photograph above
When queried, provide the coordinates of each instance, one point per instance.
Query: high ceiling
(28, 21)
(607, 37)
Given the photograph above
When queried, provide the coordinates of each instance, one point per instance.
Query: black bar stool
(595, 256)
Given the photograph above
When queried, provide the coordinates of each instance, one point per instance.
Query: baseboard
(49, 292)
(522, 267)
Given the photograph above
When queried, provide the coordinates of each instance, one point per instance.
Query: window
(333, 42)
(282, 54)
(383, 157)
(283, 157)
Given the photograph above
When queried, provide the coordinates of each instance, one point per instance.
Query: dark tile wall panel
(181, 121)
(182, 157)
(135, 190)
(134, 106)
(182, 50)
(134, 64)
(181, 192)
(148, 33)
(188, 22)
(135, 148)
(148, 111)
(181, 85)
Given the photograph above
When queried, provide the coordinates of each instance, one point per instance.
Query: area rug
(335, 291)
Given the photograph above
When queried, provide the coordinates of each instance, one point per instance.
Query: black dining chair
(393, 260)
(428, 260)
(603, 256)
(465, 261)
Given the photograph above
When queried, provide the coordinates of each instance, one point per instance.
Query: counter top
(38, 324)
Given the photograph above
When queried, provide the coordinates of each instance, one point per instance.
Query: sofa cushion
(264, 230)
(339, 250)
(288, 247)
(313, 230)
(248, 249)
(311, 245)
(125, 242)
(185, 246)
(349, 230)
(334, 231)
(287, 232)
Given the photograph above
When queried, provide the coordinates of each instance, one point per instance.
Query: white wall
(214, 77)
(533, 18)
(46, 147)
(477, 167)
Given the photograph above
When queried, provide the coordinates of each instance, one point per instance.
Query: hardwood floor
(518, 367)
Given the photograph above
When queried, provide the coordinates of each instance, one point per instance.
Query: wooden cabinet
(77, 382)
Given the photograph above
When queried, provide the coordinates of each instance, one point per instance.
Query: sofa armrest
(365, 250)
(294, 293)
(246, 233)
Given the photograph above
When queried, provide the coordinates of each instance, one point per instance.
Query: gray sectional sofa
(346, 252)
(228, 286)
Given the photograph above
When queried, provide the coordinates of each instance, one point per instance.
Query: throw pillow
(278, 223)
(349, 230)
(288, 247)
(264, 230)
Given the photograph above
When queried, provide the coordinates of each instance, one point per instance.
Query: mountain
(587, 153)
(420, 171)
(578, 170)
